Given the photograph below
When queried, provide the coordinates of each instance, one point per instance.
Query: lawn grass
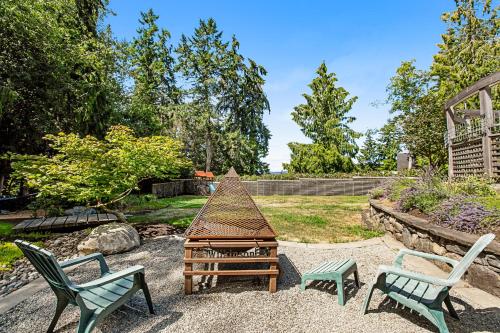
(317, 219)
(5, 229)
(139, 203)
(328, 219)
(9, 253)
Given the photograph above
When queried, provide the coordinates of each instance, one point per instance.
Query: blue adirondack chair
(96, 299)
(422, 293)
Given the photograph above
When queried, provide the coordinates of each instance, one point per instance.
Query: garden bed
(422, 235)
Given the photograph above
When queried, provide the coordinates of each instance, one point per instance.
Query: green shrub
(424, 199)
(398, 186)
(377, 193)
(472, 186)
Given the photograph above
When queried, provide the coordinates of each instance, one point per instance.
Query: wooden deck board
(63, 222)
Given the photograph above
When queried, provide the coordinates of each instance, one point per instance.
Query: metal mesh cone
(230, 213)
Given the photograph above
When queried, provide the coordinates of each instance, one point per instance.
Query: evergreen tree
(325, 120)
(201, 58)
(389, 145)
(155, 93)
(470, 48)
(369, 158)
(226, 103)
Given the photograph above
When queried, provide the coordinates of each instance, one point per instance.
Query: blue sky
(363, 42)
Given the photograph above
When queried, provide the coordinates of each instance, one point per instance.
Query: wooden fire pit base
(230, 252)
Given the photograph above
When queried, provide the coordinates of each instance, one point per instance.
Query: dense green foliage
(151, 66)
(324, 119)
(97, 172)
(223, 122)
(469, 51)
(56, 73)
(470, 48)
(415, 100)
(9, 253)
(61, 70)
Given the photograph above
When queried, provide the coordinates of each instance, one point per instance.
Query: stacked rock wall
(421, 235)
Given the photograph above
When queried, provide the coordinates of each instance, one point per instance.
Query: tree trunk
(209, 151)
(121, 217)
(2, 181)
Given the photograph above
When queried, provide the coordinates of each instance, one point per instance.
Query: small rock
(421, 235)
(493, 261)
(438, 249)
(398, 226)
(456, 249)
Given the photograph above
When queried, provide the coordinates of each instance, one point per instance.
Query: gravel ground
(246, 306)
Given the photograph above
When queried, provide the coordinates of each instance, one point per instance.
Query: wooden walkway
(63, 222)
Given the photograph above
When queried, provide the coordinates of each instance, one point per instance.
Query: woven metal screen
(230, 213)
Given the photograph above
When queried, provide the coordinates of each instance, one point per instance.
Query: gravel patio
(245, 305)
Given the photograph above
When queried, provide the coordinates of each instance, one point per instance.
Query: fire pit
(230, 229)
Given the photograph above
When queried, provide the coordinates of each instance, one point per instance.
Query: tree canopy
(61, 70)
(225, 102)
(324, 119)
(86, 170)
(469, 51)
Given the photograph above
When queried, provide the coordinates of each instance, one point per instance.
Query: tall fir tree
(325, 120)
(155, 93)
(226, 103)
(369, 158)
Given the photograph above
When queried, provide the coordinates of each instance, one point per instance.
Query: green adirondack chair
(422, 293)
(96, 299)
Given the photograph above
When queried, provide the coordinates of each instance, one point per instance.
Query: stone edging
(424, 236)
(456, 236)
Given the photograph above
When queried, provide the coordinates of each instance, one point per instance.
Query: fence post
(486, 112)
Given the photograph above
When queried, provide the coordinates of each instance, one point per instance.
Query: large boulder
(110, 239)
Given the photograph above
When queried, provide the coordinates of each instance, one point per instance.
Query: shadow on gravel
(288, 278)
(471, 320)
(350, 288)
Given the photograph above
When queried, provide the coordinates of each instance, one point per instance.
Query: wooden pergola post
(486, 112)
(451, 134)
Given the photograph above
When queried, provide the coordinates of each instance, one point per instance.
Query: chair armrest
(94, 256)
(413, 275)
(399, 258)
(112, 277)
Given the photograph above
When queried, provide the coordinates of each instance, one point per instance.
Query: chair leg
(147, 295)
(340, 291)
(440, 322)
(88, 320)
(62, 302)
(86, 325)
(450, 307)
(356, 279)
(303, 284)
(368, 298)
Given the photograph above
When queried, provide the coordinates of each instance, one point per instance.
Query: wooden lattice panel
(468, 158)
(495, 160)
(230, 213)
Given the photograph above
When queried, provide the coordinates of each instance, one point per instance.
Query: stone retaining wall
(421, 235)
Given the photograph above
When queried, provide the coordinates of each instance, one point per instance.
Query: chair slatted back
(46, 264)
(469, 257)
